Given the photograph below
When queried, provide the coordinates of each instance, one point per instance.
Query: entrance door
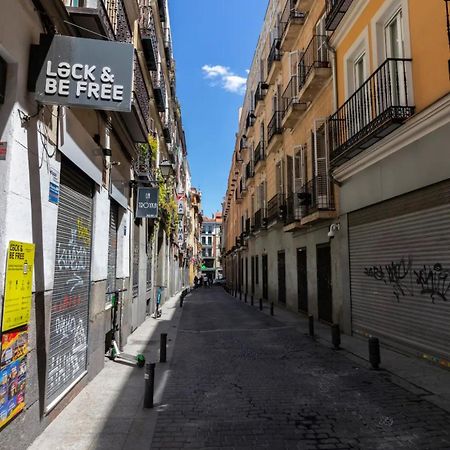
(302, 280)
(281, 277)
(264, 276)
(324, 292)
(253, 273)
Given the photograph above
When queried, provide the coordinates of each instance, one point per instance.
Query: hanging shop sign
(180, 207)
(3, 147)
(147, 203)
(87, 72)
(18, 285)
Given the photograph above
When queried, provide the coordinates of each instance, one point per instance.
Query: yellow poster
(18, 285)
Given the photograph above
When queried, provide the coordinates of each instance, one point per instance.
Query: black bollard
(311, 325)
(336, 335)
(260, 304)
(245, 297)
(251, 300)
(240, 295)
(271, 309)
(163, 348)
(149, 378)
(374, 352)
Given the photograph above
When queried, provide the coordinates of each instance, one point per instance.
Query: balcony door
(321, 186)
(394, 48)
(321, 50)
(299, 180)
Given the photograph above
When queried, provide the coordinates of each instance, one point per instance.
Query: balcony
(167, 134)
(336, 10)
(249, 173)
(243, 143)
(247, 230)
(276, 209)
(260, 156)
(168, 47)
(274, 131)
(159, 89)
(291, 23)
(293, 109)
(100, 17)
(260, 93)
(273, 60)
(314, 68)
(238, 159)
(315, 200)
(148, 37)
(294, 212)
(138, 118)
(259, 220)
(162, 10)
(376, 109)
(250, 119)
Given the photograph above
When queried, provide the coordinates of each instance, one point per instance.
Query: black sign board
(147, 203)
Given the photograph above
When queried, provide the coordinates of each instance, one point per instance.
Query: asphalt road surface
(240, 379)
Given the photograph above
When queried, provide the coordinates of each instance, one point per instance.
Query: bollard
(240, 295)
(311, 325)
(271, 309)
(336, 335)
(245, 297)
(260, 304)
(251, 300)
(181, 301)
(374, 352)
(163, 348)
(149, 378)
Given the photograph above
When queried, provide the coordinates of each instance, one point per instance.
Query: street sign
(87, 72)
(147, 203)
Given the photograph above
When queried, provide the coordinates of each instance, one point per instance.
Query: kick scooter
(114, 351)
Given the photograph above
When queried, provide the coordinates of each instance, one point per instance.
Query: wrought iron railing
(159, 88)
(275, 208)
(275, 54)
(336, 10)
(259, 153)
(140, 90)
(258, 219)
(316, 55)
(290, 14)
(290, 94)
(293, 210)
(274, 126)
(316, 195)
(250, 120)
(383, 102)
(148, 34)
(247, 226)
(249, 170)
(261, 91)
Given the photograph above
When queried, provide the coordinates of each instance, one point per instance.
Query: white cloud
(225, 77)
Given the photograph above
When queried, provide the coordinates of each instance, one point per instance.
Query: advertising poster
(18, 285)
(14, 347)
(12, 389)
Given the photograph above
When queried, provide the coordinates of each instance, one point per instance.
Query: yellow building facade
(337, 203)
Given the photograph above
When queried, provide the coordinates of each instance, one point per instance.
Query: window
(359, 75)
(203, 240)
(209, 240)
(394, 37)
(322, 52)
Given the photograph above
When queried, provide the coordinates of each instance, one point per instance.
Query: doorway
(324, 290)
(264, 276)
(302, 280)
(282, 277)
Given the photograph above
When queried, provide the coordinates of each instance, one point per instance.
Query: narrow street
(242, 379)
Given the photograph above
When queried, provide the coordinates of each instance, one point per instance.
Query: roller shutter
(67, 352)
(112, 250)
(400, 271)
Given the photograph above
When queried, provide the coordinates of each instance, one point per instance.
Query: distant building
(211, 243)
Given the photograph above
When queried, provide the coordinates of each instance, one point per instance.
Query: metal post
(240, 295)
(336, 335)
(251, 300)
(260, 304)
(163, 348)
(149, 378)
(311, 325)
(271, 309)
(374, 352)
(245, 297)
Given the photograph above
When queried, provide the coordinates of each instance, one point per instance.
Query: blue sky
(213, 41)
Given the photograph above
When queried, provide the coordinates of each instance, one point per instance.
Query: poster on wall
(13, 372)
(18, 285)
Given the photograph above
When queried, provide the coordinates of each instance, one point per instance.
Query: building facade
(341, 144)
(69, 183)
(211, 246)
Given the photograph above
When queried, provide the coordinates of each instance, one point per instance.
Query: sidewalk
(109, 412)
(418, 376)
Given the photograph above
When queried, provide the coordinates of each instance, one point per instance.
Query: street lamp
(166, 168)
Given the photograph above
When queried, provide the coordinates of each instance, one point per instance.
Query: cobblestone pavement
(240, 379)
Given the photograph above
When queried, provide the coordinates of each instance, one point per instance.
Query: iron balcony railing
(293, 212)
(250, 120)
(259, 218)
(259, 153)
(290, 14)
(261, 91)
(274, 126)
(315, 195)
(247, 227)
(249, 170)
(276, 208)
(336, 10)
(141, 93)
(275, 54)
(316, 55)
(159, 88)
(148, 36)
(379, 106)
(290, 94)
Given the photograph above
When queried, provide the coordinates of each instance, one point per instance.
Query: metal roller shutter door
(400, 272)
(112, 250)
(67, 354)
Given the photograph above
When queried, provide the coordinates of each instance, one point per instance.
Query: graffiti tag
(434, 281)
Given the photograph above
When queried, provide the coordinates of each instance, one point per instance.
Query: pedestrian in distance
(195, 281)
